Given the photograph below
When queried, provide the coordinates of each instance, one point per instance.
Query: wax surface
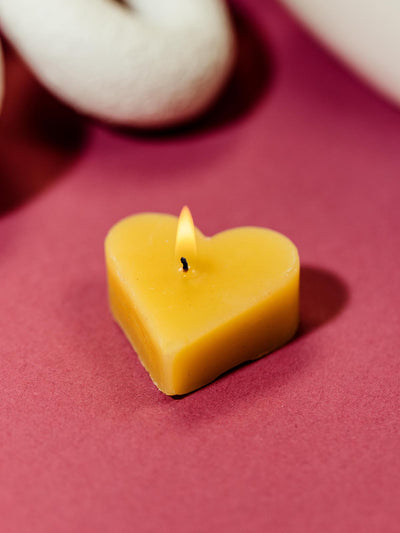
(238, 300)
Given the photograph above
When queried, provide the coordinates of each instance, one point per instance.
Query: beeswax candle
(193, 307)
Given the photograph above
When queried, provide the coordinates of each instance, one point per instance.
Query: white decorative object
(143, 63)
(364, 33)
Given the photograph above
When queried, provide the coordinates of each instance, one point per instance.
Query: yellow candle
(192, 306)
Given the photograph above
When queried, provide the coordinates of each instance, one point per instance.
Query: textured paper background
(306, 439)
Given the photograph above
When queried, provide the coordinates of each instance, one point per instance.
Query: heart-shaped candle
(193, 307)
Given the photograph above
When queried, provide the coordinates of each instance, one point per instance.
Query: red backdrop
(305, 439)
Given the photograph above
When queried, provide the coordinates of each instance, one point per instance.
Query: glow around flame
(185, 245)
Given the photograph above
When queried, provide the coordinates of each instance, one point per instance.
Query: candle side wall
(133, 325)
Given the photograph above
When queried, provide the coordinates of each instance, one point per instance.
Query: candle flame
(185, 245)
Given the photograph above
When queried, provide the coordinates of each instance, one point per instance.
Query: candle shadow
(251, 78)
(39, 136)
(323, 295)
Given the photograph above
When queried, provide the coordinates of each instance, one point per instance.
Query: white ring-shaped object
(146, 63)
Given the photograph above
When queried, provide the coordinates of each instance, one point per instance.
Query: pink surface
(306, 439)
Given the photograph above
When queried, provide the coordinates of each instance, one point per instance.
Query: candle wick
(185, 265)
